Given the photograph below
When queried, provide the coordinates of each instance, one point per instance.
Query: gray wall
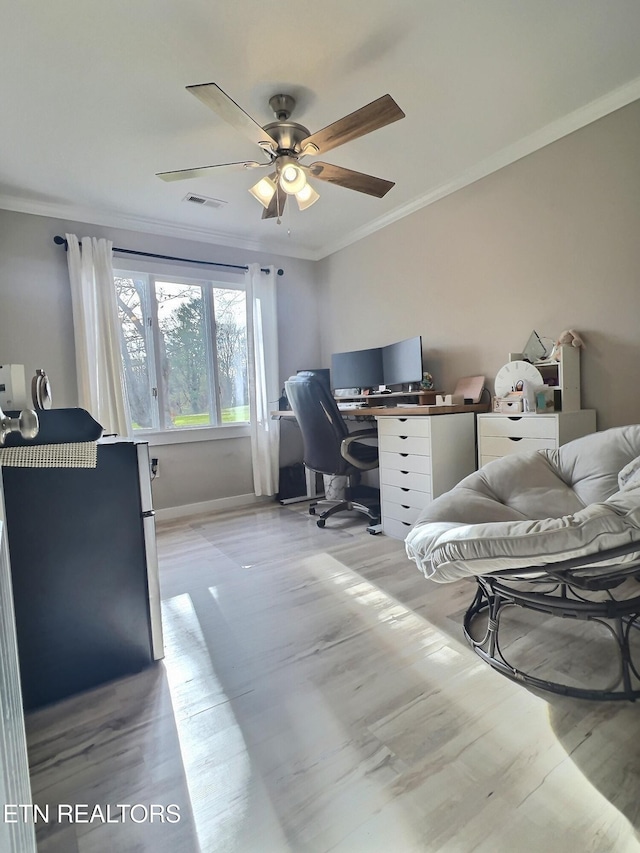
(36, 330)
(548, 243)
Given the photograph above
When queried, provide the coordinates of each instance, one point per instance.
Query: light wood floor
(317, 695)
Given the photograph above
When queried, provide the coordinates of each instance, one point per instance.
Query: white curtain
(264, 392)
(97, 333)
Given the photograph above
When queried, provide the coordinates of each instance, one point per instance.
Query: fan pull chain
(288, 215)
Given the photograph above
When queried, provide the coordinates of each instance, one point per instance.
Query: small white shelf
(564, 375)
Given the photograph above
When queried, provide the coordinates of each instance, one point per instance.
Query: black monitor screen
(322, 373)
(402, 362)
(357, 369)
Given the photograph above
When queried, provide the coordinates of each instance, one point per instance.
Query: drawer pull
(404, 488)
(515, 437)
(405, 506)
(402, 420)
(404, 455)
(514, 419)
(404, 472)
(403, 437)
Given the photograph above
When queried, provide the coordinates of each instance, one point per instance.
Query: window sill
(186, 436)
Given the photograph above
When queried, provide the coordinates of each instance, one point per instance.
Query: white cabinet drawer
(534, 426)
(504, 446)
(396, 529)
(417, 426)
(405, 480)
(398, 512)
(405, 444)
(405, 496)
(405, 462)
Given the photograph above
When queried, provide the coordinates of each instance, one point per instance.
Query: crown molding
(112, 219)
(576, 120)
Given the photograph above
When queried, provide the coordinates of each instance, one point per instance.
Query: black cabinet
(80, 573)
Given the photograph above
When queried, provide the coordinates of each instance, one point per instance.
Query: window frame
(161, 435)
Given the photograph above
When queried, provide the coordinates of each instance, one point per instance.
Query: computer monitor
(323, 374)
(402, 362)
(358, 369)
(395, 364)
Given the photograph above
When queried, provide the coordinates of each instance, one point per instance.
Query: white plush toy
(566, 338)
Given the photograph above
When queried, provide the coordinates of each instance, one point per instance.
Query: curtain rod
(60, 241)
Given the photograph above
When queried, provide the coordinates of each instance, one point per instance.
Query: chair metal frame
(563, 595)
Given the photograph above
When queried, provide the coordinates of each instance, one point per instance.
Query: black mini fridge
(84, 572)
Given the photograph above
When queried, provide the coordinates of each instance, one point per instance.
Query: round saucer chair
(552, 533)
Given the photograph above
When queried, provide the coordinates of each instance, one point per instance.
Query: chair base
(565, 600)
(372, 512)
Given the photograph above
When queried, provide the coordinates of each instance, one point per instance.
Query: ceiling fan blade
(213, 97)
(204, 171)
(375, 115)
(357, 181)
(276, 205)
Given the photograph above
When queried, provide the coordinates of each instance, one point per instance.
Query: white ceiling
(94, 102)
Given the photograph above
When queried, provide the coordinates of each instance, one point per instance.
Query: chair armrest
(367, 457)
(372, 432)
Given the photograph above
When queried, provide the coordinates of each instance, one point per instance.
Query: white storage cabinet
(420, 458)
(501, 435)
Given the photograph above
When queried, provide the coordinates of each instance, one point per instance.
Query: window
(184, 350)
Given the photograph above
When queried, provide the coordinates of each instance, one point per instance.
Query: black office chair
(329, 447)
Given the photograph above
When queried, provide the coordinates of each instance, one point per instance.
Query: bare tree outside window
(231, 344)
(184, 363)
(130, 296)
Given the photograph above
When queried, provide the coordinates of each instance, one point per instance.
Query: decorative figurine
(427, 382)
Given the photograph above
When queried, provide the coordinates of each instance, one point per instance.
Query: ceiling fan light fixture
(292, 177)
(306, 197)
(264, 191)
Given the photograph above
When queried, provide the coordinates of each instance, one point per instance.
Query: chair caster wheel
(321, 522)
(312, 510)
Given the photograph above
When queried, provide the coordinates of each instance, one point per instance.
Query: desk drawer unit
(502, 435)
(420, 458)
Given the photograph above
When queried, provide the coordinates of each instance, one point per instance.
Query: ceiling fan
(285, 143)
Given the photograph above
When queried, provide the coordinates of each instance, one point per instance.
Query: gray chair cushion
(532, 509)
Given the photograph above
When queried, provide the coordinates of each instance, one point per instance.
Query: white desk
(398, 411)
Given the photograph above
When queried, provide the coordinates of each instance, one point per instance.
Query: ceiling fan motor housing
(282, 106)
(287, 134)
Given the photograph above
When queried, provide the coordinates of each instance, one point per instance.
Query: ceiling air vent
(204, 201)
